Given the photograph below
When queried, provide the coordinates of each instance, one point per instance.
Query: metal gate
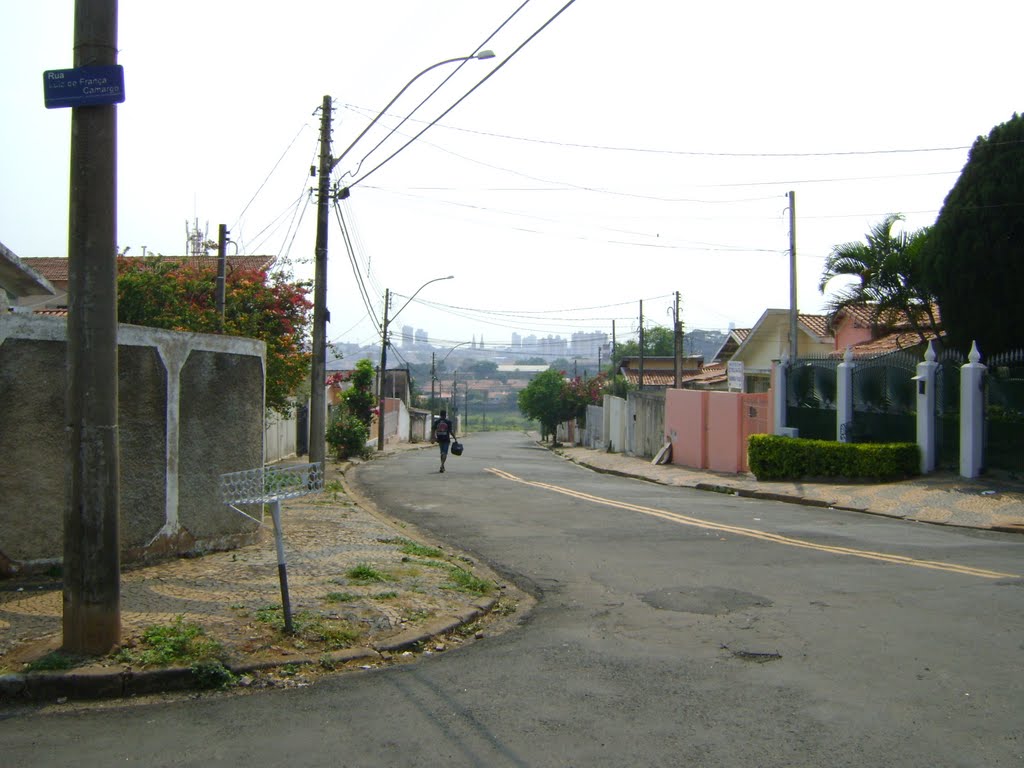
(1004, 412)
(884, 399)
(811, 397)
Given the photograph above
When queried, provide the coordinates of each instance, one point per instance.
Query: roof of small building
(55, 268)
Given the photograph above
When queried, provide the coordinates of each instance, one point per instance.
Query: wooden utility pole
(318, 374)
(792, 277)
(92, 585)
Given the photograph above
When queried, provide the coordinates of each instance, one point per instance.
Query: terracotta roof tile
(892, 342)
(56, 268)
(816, 324)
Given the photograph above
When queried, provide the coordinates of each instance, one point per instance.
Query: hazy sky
(628, 151)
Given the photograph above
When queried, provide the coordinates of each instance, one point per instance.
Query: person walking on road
(444, 433)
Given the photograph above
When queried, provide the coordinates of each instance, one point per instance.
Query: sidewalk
(941, 498)
(235, 597)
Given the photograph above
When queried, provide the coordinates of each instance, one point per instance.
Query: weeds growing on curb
(52, 662)
(180, 642)
(412, 548)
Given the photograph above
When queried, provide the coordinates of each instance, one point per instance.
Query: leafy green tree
(347, 434)
(359, 398)
(889, 277)
(181, 296)
(581, 392)
(659, 341)
(974, 258)
(484, 369)
(542, 401)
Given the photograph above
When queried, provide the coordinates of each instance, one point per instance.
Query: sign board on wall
(735, 374)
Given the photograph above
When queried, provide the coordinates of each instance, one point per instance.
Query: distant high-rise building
(517, 342)
(421, 336)
(587, 344)
(407, 336)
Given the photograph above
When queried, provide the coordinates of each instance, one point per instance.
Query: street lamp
(384, 351)
(433, 370)
(318, 374)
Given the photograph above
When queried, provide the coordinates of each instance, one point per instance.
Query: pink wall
(725, 431)
(847, 335)
(685, 423)
(707, 428)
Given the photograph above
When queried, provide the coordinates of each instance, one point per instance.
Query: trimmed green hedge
(773, 457)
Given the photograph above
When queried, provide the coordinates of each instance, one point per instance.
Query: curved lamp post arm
(407, 301)
(481, 55)
(384, 353)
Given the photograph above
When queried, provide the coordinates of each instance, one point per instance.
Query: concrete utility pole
(92, 586)
(677, 337)
(222, 258)
(383, 371)
(433, 378)
(640, 380)
(792, 277)
(318, 374)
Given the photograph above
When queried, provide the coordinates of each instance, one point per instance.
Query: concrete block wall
(190, 407)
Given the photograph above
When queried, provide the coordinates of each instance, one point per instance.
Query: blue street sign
(83, 86)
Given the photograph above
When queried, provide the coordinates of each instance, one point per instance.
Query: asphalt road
(673, 627)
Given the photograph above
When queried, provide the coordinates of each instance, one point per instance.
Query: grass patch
(461, 579)
(464, 581)
(365, 574)
(180, 642)
(386, 596)
(340, 597)
(413, 549)
(51, 662)
(311, 627)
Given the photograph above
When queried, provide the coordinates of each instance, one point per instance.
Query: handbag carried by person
(456, 447)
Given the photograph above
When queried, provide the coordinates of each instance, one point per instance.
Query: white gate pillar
(925, 379)
(844, 397)
(972, 414)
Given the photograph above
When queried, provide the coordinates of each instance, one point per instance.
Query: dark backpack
(442, 429)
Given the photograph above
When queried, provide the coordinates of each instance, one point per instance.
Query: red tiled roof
(816, 324)
(50, 267)
(705, 375)
(892, 342)
(864, 317)
(56, 268)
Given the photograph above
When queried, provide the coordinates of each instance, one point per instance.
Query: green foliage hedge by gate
(773, 457)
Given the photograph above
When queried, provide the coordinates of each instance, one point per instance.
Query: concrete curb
(90, 683)
(787, 498)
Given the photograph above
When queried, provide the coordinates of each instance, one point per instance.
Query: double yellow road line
(753, 533)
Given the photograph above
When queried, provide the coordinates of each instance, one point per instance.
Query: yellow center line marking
(753, 533)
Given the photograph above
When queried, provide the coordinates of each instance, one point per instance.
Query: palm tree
(889, 276)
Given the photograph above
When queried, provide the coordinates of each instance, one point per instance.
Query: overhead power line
(466, 95)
